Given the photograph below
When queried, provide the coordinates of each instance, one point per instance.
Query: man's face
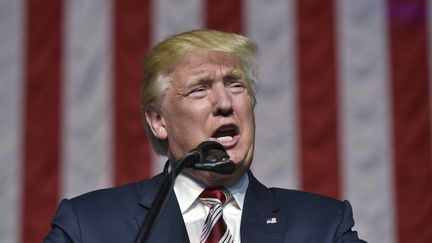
(208, 100)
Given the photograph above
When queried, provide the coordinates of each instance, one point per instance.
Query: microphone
(211, 156)
(208, 156)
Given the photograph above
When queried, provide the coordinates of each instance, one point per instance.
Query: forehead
(205, 63)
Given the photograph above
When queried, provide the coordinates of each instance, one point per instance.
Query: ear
(156, 122)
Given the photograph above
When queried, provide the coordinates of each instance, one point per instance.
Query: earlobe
(156, 122)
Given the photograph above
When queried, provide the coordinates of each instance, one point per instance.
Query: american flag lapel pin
(271, 221)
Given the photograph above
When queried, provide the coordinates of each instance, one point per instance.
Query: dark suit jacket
(269, 215)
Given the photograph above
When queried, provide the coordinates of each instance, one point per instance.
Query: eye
(198, 92)
(236, 87)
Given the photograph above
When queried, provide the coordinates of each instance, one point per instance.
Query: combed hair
(163, 57)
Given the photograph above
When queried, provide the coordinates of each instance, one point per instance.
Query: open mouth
(226, 133)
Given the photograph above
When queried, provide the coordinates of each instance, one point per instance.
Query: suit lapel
(260, 221)
(170, 226)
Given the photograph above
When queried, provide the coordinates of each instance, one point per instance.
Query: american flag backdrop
(344, 102)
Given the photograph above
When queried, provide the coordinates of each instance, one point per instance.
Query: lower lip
(230, 144)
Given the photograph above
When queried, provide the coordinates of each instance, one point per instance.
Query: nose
(222, 101)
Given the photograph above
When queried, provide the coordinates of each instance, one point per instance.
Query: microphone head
(207, 145)
(213, 151)
(215, 158)
(225, 167)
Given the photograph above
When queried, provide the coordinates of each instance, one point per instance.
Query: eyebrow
(233, 73)
(236, 73)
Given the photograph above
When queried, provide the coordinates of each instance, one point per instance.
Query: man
(200, 86)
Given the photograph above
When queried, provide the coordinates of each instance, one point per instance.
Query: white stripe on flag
(271, 24)
(174, 16)
(171, 17)
(11, 100)
(365, 117)
(87, 123)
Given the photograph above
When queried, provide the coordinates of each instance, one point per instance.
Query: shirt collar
(187, 190)
(238, 190)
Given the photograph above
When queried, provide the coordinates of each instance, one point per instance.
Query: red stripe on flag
(411, 120)
(131, 39)
(42, 117)
(225, 15)
(319, 152)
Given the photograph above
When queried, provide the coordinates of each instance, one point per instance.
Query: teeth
(224, 139)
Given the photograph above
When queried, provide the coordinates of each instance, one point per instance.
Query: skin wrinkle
(163, 58)
(233, 73)
(207, 92)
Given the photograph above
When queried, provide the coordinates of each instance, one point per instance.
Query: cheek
(186, 121)
(247, 114)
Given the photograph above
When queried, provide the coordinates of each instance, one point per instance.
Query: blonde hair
(163, 57)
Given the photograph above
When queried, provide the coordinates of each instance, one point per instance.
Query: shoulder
(293, 199)
(116, 198)
(101, 214)
(314, 214)
(297, 203)
(109, 196)
(304, 199)
(313, 206)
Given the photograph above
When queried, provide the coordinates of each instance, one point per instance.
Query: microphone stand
(163, 194)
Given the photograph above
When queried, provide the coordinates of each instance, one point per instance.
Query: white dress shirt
(195, 212)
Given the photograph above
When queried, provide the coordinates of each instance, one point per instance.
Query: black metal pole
(162, 197)
(208, 156)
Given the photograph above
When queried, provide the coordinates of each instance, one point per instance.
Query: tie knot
(211, 195)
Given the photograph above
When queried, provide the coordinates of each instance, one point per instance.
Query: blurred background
(343, 110)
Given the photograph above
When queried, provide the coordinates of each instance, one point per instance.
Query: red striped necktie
(215, 229)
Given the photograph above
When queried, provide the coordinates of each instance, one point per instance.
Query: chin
(214, 179)
(228, 180)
